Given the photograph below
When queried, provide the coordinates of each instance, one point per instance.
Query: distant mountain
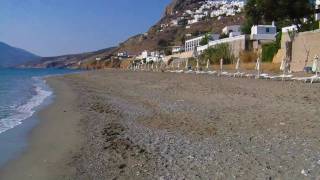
(12, 56)
(70, 60)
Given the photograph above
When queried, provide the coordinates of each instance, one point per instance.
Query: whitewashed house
(154, 56)
(177, 49)
(123, 54)
(145, 54)
(232, 31)
(263, 32)
(289, 28)
(174, 22)
(317, 15)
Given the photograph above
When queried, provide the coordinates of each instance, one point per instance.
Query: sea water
(22, 93)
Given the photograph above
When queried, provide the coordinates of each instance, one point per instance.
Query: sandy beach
(114, 124)
(52, 142)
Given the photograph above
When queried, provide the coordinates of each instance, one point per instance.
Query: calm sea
(22, 93)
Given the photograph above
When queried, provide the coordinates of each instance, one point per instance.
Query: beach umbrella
(258, 66)
(221, 64)
(208, 64)
(238, 65)
(315, 66)
(283, 65)
(197, 64)
(187, 64)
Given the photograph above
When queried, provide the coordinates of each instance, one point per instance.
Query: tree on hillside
(264, 11)
(205, 40)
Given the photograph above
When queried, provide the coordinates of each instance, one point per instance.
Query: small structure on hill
(263, 34)
(231, 31)
(177, 49)
(317, 8)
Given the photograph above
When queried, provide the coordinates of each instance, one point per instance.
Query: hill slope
(70, 61)
(11, 56)
(156, 38)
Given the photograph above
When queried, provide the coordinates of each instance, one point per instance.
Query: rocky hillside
(164, 34)
(161, 36)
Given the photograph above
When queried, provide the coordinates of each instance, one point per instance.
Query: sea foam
(25, 111)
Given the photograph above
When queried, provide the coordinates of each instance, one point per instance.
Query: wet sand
(115, 124)
(52, 142)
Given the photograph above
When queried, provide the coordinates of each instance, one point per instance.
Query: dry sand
(137, 125)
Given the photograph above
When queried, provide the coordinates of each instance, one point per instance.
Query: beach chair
(282, 77)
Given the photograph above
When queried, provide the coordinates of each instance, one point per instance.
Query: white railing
(200, 49)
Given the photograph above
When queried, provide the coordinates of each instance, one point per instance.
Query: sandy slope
(172, 126)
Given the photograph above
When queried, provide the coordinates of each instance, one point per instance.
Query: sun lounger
(250, 75)
(282, 77)
(238, 74)
(265, 76)
(311, 79)
(189, 71)
(200, 72)
(212, 72)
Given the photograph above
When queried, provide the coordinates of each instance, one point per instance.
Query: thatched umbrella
(208, 64)
(221, 64)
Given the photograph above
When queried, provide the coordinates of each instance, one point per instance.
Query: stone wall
(184, 55)
(305, 47)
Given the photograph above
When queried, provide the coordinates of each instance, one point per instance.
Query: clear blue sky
(56, 27)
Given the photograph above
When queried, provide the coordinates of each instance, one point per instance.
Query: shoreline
(51, 141)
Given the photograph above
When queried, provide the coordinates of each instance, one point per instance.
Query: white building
(191, 44)
(123, 54)
(145, 54)
(177, 49)
(263, 32)
(174, 22)
(232, 31)
(154, 56)
(317, 15)
(289, 28)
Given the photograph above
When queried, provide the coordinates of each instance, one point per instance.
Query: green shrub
(270, 50)
(214, 54)
(205, 40)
